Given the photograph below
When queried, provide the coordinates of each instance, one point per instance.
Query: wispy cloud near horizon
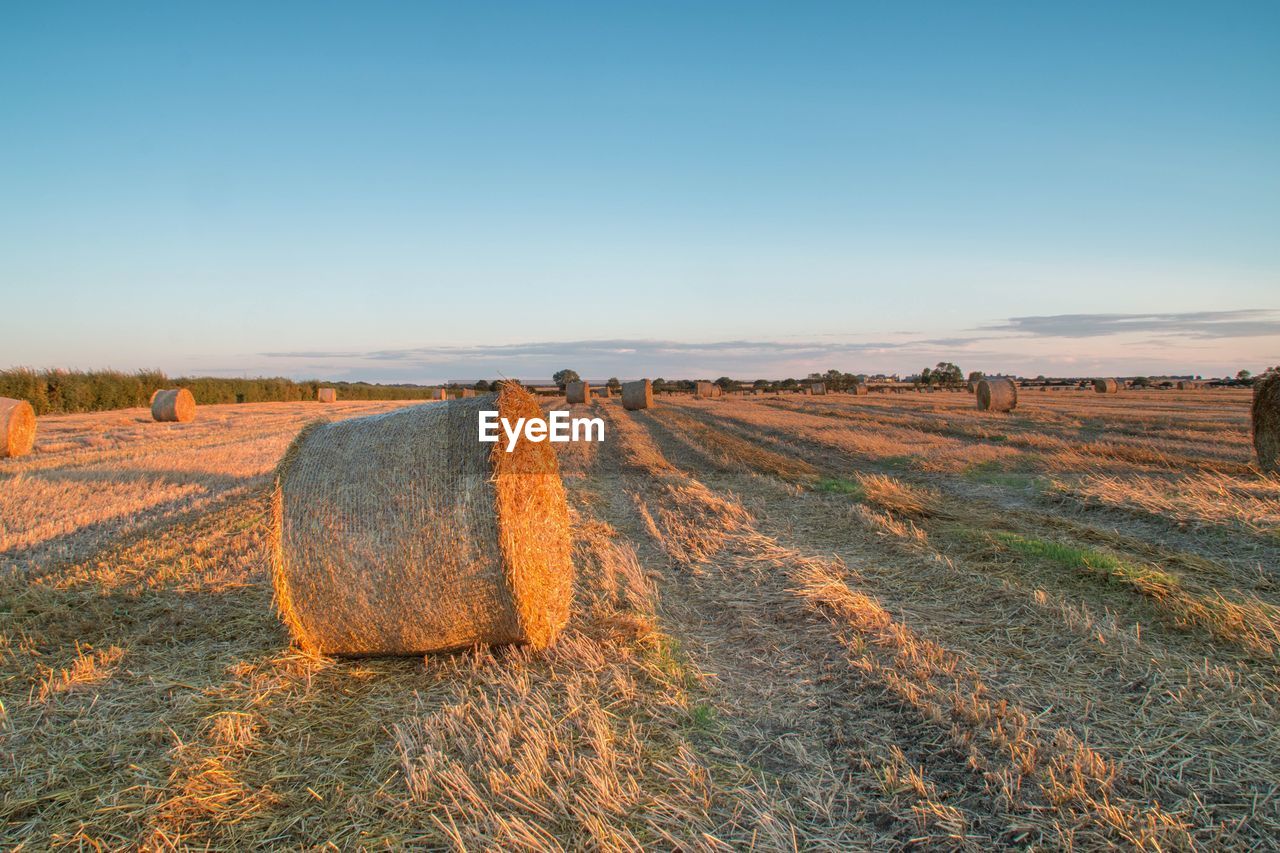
(1244, 323)
(1164, 339)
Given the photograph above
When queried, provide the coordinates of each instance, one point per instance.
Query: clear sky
(419, 191)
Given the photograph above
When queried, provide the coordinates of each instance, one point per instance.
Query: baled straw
(173, 404)
(704, 389)
(818, 388)
(858, 389)
(17, 427)
(1266, 421)
(1106, 386)
(577, 392)
(402, 534)
(997, 395)
(637, 395)
(327, 395)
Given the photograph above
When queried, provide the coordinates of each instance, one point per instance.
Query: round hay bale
(327, 395)
(1266, 422)
(859, 389)
(997, 395)
(173, 404)
(818, 389)
(637, 395)
(1106, 386)
(704, 389)
(17, 427)
(403, 534)
(577, 392)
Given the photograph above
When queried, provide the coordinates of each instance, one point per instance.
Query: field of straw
(800, 622)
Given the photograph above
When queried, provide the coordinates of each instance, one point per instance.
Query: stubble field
(800, 622)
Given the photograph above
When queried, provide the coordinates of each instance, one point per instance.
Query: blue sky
(416, 191)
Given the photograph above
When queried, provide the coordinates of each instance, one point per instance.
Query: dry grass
(820, 623)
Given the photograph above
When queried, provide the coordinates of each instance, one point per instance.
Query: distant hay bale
(468, 392)
(1266, 421)
(173, 404)
(17, 427)
(605, 391)
(704, 389)
(577, 392)
(997, 395)
(1106, 386)
(818, 388)
(1189, 385)
(441, 394)
(858, 389)
(327, 395)
(637, 395)
(402, 534)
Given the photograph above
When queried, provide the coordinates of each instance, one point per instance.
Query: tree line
(65, 391)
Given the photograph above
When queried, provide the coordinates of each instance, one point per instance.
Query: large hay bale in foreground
(1106, 386)
(173, 404)
(637, 395)
(997, 395)
(17, 427)
(402, 534)
(1266, 422)
(577, 392)
(327, 395)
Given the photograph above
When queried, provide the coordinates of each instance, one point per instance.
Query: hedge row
(59, 391)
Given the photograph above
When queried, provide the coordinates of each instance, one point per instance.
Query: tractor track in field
(1043, 646)
(972, 787)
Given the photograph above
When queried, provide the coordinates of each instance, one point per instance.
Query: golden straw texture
(637, 395)
(577, 392)
(1106, 386)
(997, 395)
(17, 427)
(1266, 422)
(174, 404)
(403, 534)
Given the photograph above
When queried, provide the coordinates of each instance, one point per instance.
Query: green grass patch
(998, 473)
(1085, 560)
(703, 718)
(840, 486)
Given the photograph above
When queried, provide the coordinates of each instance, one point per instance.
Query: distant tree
(564, 377)
(727, 384)
(1142, 382)
(1243, 375)
(482, 386)
(614, 384)
(976, 376)
(789, 384)
(659, 385)
(926, 376)
(947, 375)
(760, 384)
